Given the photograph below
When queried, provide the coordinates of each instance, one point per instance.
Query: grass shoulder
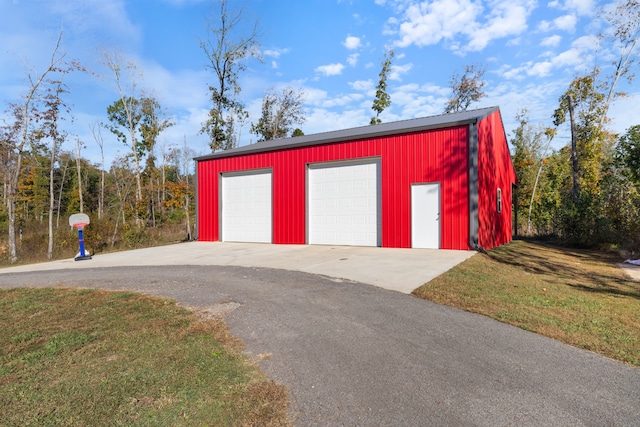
(580, 297)
(92, 357)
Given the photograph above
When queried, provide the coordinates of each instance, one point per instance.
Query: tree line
(587, 192)
(145, 195)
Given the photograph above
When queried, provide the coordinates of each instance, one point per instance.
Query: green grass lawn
(90, 357)
(577, 296)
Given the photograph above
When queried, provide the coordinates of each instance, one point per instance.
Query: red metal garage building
(435, 182)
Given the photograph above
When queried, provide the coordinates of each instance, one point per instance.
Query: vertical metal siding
(495, 170)
(431, 156)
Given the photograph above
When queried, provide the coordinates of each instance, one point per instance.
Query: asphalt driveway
(352, 354)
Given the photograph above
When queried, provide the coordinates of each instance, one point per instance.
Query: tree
(227, 52)
(51, 116)
(125, 112)
(17, 136)
(628, 152)
(180, 190)
(97, 136)
(383, 99)
(279, 112)
(528, 159)
(153, 122)
(466, 89)
(120, 171)
(583, 102)
(142, 121)
(78, 146)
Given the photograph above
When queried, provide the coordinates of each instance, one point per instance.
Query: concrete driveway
(400, 270)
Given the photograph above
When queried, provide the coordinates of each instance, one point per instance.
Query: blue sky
(330, 49)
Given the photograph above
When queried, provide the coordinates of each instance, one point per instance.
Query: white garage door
(343, 203)
(246, 208)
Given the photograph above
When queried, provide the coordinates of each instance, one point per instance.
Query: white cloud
(362, 85)
(353, 59)
(566, 23)
(352, 42)
(275, 53)
(330, 69)
(398, 70)
(515, 42)
(505, 19)
(414, 100)
(428, 23)
(181, 89)
(576, 57)
(551, 41)
(513, 73)
(544, 26)
(540, 69)
(322, 120)
(585, 43)
(341, 100)
(314, 96)
(581, 7)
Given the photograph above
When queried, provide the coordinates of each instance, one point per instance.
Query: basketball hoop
(80, 221)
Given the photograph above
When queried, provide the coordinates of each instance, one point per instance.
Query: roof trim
(370, 131)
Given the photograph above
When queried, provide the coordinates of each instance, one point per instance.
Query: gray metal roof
(371, 131)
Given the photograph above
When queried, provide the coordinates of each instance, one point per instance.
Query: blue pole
(81, 240)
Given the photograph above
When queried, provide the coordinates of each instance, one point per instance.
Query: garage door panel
(247, 208)
(343, 204)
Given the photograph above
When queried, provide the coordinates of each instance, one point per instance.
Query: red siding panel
(495, 170)
(431, 156)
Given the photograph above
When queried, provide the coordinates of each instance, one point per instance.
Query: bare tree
(466, 89)
(227, 52)
(121, 173)
(64, 166)
(187, 160)
(97, 136)
(78, 147)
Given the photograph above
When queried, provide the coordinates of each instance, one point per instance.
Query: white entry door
(425, 216)
(343, 204)
(246, 208)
